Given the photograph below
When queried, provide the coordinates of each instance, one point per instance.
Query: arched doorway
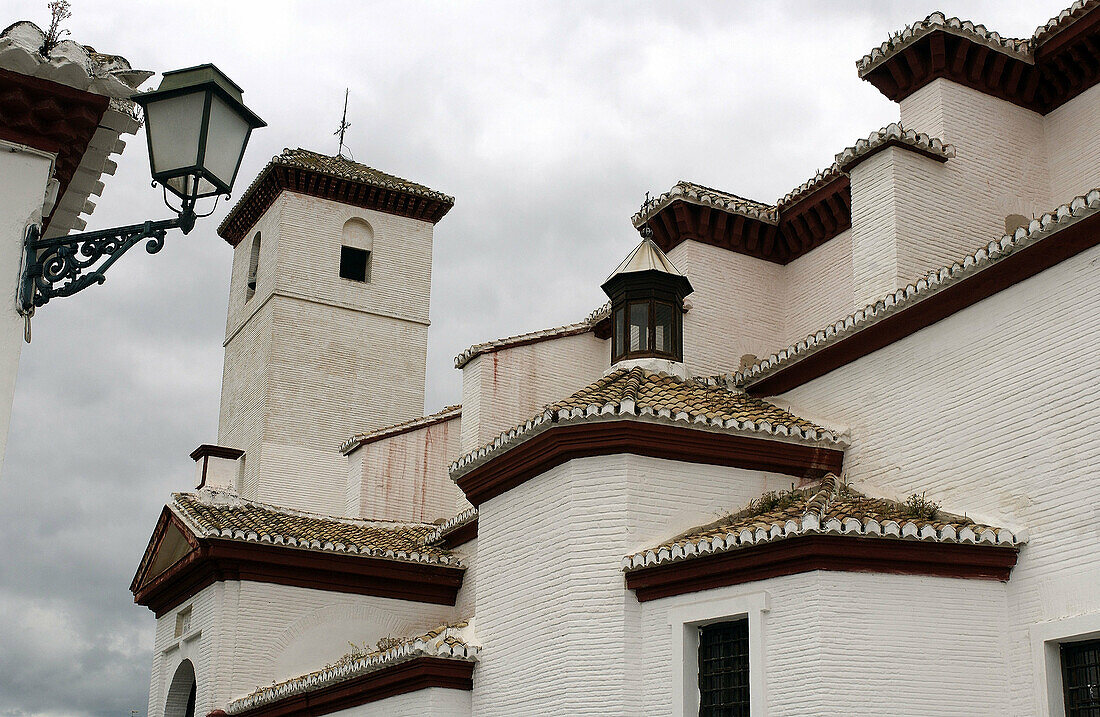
(182, 692)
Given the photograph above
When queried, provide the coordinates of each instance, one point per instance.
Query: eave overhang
(277, 177)
(560, 443)
(416, 674)
(1046, 242)
(805, 553)
(1040, 78)
(218, 559)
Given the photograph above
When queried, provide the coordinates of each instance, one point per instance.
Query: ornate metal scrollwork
(65, 265)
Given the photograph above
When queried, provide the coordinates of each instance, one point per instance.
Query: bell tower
(327, 326)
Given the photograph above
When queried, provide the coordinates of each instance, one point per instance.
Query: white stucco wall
(818, 289)
(430, 702)
(991, 412)
(503, 388)
(860, 643)
(247, 634)
(312, 358)
(736, 307)
(24, 173)
(560, 633)
(405, 477)
(1072, 152)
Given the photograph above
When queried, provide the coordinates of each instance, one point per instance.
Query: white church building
(835, 454)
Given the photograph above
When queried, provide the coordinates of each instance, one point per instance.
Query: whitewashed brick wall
(255, 633)
(859, 643)
(737, 306)
(819, 289)
(1073, 154)
(313, 358)
(991, 412)
(431, 702)
(558, 627)
(506, 387)
(405, 477)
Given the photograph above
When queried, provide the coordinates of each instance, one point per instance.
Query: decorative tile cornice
(450, 642)
(451, 525)
(828, 509)
(675, 401)
(705, 196)
(531, 337)
(1043, 229)
(1020, 49)
(1062, 21)
(891, 135)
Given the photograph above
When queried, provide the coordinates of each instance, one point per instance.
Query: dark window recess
(724, 669)
(1081, 678)
(354, 263)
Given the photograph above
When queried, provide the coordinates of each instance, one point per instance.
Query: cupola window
(647, 304)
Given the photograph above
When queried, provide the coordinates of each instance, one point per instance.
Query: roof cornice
(1067, 231)
(557, 443)
(806, 553)
(219, 559)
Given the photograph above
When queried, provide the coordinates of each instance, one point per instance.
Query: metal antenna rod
(344, 124)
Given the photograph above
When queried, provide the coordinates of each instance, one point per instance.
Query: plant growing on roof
(59, 12)
(775, 500)
(917, 506)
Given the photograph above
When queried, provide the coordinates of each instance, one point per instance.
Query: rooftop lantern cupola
(647, 305)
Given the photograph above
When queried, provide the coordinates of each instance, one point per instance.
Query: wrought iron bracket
(65, 265)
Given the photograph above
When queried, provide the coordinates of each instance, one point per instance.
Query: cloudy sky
(548, 121)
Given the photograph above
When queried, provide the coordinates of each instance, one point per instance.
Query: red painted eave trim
(805, 553)
(460, 535)
(219, 559)
(1023, 264)
(416, 674)
(561, 443)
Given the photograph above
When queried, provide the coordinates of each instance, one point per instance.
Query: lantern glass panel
(662, 325)
(619, 330)
(639, 326)
(225, 140)
(174, 125)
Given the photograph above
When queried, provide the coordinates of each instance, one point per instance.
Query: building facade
(836, 452)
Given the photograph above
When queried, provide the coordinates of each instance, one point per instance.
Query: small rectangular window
(724, 669)
(639, 326)
(354, 263)
(183, 621)
(1081, 678)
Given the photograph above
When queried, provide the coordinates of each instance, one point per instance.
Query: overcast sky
(547, 121)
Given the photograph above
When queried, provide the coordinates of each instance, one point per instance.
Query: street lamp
(198, 128)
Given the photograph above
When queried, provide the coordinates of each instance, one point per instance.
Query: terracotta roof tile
(640, 393)
(445, 641)
(826, 507)
(223, 515)
(438, 417)
(348, 169)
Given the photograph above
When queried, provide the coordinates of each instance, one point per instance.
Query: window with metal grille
(1081, 678)
(724, 669)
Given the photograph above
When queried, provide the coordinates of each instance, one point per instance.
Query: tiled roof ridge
(893, 132)
(932, 283)
(812, 519)
(445, 641)
(444, 414)
(706, 196)
(214, 500)
(897, 133)
(450, 525)
(294, 158)
(1061, 21)
(626, 406)
(476, 350)
(937, 20)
